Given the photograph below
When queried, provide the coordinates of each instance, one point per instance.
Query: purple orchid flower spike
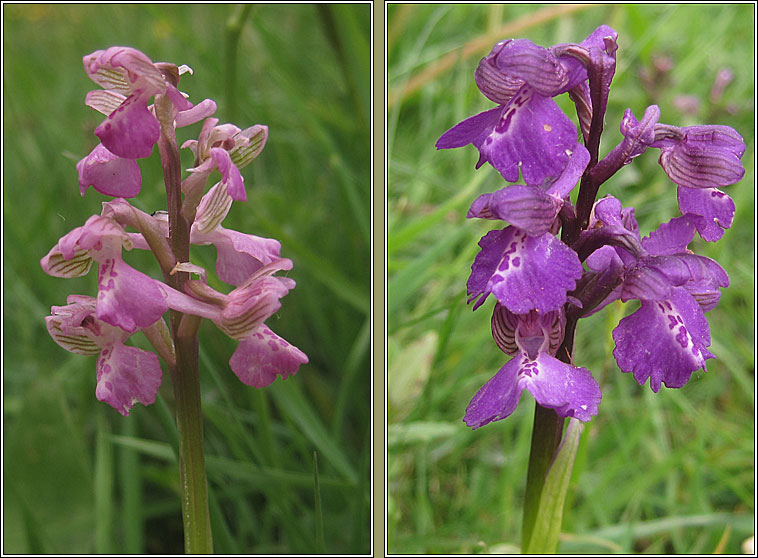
(545, 283)
(533, 339)
(125, 375)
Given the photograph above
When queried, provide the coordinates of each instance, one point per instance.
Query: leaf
(547, 527)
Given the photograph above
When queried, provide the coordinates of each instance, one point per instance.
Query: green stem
(546, 437)
(189, 422)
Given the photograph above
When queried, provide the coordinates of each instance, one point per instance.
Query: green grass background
(671, 472)
(78, 477)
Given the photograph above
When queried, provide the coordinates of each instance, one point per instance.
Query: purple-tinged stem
(185, 375)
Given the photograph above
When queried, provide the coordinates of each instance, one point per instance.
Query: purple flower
(527, 131)
(700, 160)
(533, 338)
(530, 208)
(125, 375)
(239, 254)
(523, 272)
(666, 339)
(129, 79)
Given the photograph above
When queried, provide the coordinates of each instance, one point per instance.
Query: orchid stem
(189, 422)
(546, 437)
(185, 374)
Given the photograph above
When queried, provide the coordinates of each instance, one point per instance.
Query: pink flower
(228, 149)
(129, 79)
(261, 354)
(126, 297)
(125, 375)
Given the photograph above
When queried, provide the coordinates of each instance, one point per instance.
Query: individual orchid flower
(666, 339)
(527, 131)
(126, 298)
(125, 375)
(129, 79)
(226, 148)
(533, 339)
(261, 354)
(700, 160)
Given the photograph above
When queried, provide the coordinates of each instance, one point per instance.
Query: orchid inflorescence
(128, 300)
(544, 284)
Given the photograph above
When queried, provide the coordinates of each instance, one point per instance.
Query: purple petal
(714, 208)
(577, 163)
(109, 174)
(494, 84)
(195, 114)
(609, 224)
(263, 355)
(701, 156)
(664, 340)
(472, 130)
(532, 135)
(525, 207)
(123, 69)
(131, 130)
(670, 238)
(523, 272)
(571, 391)
(496, 399)
(240, 255)
(533, 64)
(127, 375)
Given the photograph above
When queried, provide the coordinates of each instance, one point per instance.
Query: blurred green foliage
(79, 478)
(671, 472)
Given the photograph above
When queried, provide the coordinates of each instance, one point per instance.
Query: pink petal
(230, 174)
(195, 114)
(127, 375)
(109, 174)
(263, 355)
(240, 255)
(127, 298)
(131, 130)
